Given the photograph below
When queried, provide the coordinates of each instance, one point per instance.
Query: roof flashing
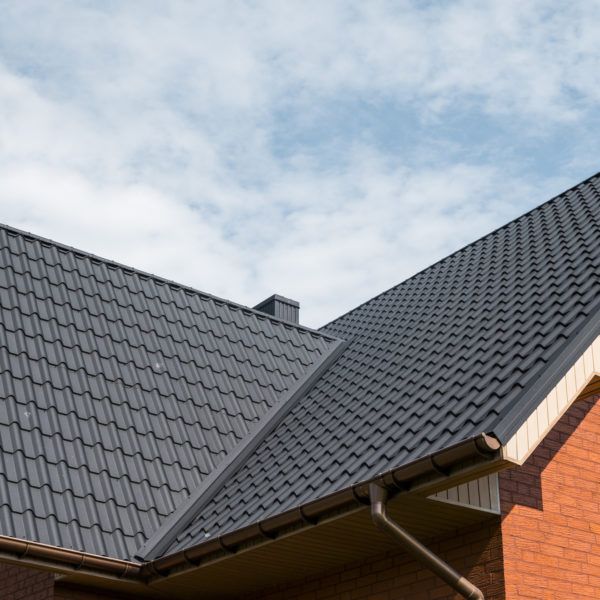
(172, 526)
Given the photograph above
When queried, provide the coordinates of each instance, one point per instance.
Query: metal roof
(120, 392)
(130, 402)
(469, 345)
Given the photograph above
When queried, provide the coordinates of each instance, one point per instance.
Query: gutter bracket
(379, 497)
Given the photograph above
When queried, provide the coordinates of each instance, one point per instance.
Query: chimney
(283, 308)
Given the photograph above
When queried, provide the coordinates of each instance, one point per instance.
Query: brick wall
(475, 552)
(551, 508)
(19, 583)
(65, 591)
(23, 583)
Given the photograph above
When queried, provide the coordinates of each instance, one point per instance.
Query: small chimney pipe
(280, 307)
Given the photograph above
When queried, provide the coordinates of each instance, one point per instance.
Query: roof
(122, 391)
(143, 417)
(467, 346)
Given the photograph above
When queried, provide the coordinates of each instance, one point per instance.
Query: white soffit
(480, 494)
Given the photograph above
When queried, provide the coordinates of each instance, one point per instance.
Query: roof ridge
(181, 517)
(160, 279)
(463, 248)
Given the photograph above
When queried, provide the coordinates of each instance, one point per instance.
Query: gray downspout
(378, 496)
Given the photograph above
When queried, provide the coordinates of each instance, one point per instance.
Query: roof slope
(120, 392)
(456, 350)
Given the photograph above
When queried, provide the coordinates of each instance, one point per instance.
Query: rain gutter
(460, 460)
(44, 555)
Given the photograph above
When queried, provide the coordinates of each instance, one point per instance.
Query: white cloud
(143, 132)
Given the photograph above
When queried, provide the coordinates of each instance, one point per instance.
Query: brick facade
(19, 583)
(551, 513)
(23, 583)
(72, 592)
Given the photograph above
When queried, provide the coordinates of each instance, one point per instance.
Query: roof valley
(172, 526)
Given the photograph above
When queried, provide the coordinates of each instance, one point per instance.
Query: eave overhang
(451, 466)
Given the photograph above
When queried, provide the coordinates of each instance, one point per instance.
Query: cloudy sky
(324, 150)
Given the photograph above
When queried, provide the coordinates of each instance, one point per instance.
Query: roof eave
(477, 455)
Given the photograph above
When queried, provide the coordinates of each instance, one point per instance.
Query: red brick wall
(551, 508)
(475, 552)
(23, 583)
(19, 583)
(73, 592)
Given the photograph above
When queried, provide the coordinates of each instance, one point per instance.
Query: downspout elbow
(380, 520)
(378, 497)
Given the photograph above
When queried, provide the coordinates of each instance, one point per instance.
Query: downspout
(378, 497)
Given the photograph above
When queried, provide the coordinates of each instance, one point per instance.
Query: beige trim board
(480, 494)
(550, 410)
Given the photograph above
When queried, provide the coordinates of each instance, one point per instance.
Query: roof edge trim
(161, 280)
(580, 381)
(480, 453)
(172, 526)
(563, 359)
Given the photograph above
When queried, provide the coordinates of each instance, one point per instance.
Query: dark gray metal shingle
(121, 392)
(466, 346)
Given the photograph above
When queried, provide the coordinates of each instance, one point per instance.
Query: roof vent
(280, 307)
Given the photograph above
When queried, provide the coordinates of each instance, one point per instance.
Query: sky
(321, 150)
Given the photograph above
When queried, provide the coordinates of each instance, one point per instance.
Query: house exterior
(442, 440)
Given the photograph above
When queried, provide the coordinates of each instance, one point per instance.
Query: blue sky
(320, 150)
